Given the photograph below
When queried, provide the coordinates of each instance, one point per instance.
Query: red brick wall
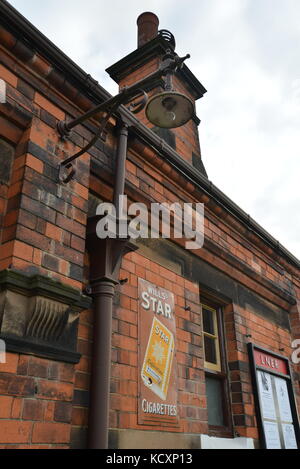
(35, 402)
(44, 226)
(46, 403)
(45, 223)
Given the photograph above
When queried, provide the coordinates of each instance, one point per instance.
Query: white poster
(289, 436)
(283, 400)
(266, 395)
(272, 435)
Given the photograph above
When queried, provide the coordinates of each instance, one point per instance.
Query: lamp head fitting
(169, 109)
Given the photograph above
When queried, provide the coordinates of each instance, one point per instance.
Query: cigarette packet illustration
(158, 359)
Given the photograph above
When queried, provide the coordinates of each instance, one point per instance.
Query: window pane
(208, 321)
(210, 350)
(214, 402)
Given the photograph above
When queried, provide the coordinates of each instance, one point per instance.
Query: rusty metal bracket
(138, 106)
(66, 170)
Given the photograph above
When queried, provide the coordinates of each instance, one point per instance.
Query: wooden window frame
(208, 365)
(219, 371)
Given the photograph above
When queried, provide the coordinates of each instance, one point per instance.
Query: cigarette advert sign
(157, 361)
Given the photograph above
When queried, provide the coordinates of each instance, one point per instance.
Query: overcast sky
(245, 53)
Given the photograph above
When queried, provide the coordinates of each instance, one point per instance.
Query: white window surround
(211, 442)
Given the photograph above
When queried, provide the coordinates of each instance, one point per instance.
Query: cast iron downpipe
(103, 280)
(103, 293)
(121, 164)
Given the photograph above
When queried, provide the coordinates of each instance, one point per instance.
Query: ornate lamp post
(169, 110)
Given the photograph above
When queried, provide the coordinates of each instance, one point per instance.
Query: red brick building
(241, 288)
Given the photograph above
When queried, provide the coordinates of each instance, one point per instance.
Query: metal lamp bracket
(66, 170)
(170, 64)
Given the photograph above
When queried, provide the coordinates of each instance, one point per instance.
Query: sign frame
(157, 401)
(254, 369)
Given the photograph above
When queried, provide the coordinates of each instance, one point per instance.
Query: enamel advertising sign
(157, 360)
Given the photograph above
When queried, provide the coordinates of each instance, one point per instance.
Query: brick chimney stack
(152, 46)
(147, 27)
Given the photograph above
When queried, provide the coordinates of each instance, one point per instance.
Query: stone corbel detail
(39, 316)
